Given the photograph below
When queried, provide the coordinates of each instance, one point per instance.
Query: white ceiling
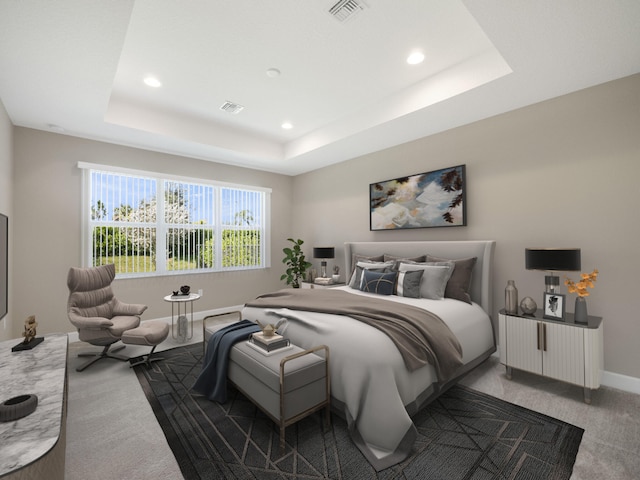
(78, 65)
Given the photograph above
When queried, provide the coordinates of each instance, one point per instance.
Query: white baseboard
(73, 336)
(621, 382)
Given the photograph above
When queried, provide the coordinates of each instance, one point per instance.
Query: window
(151, 225)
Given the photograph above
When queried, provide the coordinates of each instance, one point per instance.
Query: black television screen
(4, 265)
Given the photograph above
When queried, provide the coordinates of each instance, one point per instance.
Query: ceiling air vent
(231, 107)
(346, 9)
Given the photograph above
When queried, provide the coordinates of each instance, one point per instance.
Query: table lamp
(550, 260)
(323, 253)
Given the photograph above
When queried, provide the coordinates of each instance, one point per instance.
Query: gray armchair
(100, 318)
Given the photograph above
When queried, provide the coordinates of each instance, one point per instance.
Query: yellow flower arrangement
(587, 280)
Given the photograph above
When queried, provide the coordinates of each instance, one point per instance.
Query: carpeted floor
(464, 434)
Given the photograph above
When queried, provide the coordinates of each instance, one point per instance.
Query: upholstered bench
(286, 385)
(151, 334)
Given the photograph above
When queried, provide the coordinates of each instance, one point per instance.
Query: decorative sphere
(528, 306)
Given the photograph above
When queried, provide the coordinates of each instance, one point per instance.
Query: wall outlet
(200, 291)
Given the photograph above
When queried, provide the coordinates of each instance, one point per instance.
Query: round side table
(179, 306)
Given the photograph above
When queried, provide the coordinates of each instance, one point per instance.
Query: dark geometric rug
(462, 435)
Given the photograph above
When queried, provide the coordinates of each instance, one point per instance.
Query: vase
(580, 312)
(511, 298)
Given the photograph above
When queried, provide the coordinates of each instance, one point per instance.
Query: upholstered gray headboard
(481, 279)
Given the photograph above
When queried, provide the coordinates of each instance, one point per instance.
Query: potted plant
(296, 263)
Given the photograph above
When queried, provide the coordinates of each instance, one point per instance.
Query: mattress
(370, 385)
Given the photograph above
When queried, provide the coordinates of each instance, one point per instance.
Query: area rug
(464, 434)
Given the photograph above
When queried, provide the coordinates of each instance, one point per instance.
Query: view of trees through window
(152, 226)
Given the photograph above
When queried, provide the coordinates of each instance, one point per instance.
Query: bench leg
(282, 437)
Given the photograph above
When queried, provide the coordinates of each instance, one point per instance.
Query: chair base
(145, 359)
(99, 356)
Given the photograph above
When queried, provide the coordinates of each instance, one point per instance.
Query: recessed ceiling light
(152, 82)
(415, 58)
(287, 126)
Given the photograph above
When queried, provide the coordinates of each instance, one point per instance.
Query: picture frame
(424, 200)
(554, 306)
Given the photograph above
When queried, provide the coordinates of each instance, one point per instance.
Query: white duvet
(368, 375)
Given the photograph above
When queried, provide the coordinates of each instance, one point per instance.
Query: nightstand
(563, 350)
(317, 285)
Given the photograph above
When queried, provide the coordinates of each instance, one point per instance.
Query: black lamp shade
(324, 252)
(562, 259)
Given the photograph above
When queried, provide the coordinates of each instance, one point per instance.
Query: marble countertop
(40, 371)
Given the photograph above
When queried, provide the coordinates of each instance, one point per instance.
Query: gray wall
(47, 194)
(6, 203)
(562, 173)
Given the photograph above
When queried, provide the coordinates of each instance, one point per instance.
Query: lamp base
(551, 282)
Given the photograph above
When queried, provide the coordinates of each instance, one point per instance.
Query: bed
(374, 384)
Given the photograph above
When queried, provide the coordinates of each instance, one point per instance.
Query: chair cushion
(149, 333)
(122, 324)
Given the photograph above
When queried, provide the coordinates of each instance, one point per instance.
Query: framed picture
(431, 199)
(553, 306)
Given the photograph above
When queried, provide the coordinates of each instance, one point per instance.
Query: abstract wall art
(431, 199)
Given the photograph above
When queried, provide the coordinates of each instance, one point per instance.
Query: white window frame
(162, 227)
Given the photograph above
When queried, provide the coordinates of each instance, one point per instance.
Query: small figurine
(29, 334)
(269, 329)
(30, 325)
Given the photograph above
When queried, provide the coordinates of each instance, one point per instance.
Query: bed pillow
(393, 258)
(355, 258)
(460, 281)
(356, 277)
(434, 278)
(408, 283)
(381, 283)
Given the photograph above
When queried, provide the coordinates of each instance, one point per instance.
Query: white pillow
(434, 277)
(356, 278)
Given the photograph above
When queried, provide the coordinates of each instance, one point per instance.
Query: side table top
(182, 298)
(41, 371)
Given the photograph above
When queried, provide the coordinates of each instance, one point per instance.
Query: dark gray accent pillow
(380, 283)
(408, 284)
(393, 258)
(460, 281)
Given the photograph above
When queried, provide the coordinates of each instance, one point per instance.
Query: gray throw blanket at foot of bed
(420, 336)
(212, 381)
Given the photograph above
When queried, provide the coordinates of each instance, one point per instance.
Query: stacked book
(323, 280)
(268, 344)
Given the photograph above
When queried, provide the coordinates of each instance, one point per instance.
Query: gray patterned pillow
(380, 283)
(408, 284)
